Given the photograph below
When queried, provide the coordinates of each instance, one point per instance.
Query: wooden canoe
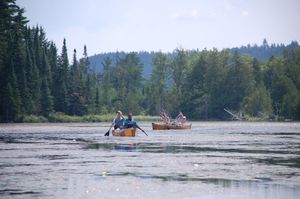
(130, 132)
(157, 126)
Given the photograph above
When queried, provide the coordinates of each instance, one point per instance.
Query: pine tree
(46, 98)
(45, 69)
(77, 100)
(64, 62)
(37, 49)
(11, 99)
(35, 86)
(26, 98)
(97, 101)
(257, 73)
(107, 88)
(53, 62)
(86, 61)
(12, 58)
(61, 89)
(90, 95)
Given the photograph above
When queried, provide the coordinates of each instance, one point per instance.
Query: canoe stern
(125, 132)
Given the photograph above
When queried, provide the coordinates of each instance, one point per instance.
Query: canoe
(157, 126)
(124, 132)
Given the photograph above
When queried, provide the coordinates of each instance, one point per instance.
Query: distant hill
(261, 53)
(145, 58)
(265, 51)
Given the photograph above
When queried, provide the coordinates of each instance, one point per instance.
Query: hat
(119, 112)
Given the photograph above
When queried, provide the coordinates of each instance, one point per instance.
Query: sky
(163, 25)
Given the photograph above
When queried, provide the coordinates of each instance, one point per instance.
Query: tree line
(37, 79)
(205, 82)
(265, 51)
(261, 52)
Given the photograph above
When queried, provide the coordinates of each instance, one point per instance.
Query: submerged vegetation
(39, 84)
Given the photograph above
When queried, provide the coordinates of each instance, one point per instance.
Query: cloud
(193, 15)
(245, 13)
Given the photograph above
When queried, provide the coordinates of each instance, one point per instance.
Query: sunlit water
(213, 160)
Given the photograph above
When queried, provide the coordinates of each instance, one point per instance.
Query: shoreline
(62, 118)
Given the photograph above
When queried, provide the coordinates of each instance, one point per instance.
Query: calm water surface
(213, 160)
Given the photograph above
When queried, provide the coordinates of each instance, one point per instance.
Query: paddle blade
(145, 132)
(106, 134)
(137, 126)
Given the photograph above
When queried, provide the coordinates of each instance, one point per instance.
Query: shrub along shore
(62, 118)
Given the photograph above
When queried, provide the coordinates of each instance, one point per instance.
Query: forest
(261, 52)
(38, 79)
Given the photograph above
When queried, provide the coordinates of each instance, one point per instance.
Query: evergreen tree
(77, 100)
(26, 98)
(27, 87)
(265, 43)
(89, 84)
(37, 49)
(11, 59)
(45, 68)
(64, 61)
(97, 102)
(34, 86)
(61, 89)
(53, 62)
(257, 73)
(46, 98)
(11, 99)
(108, 93)
(85, 60)
(90, 100)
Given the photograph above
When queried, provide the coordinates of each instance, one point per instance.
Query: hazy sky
(152, 25)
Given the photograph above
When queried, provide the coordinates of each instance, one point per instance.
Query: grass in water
(60, 117)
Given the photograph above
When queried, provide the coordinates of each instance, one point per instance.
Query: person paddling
(118, 121)
(129, 122)
(166, 119)
(180, 119)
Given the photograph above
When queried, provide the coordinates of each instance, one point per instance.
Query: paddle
(107, 133)
(137, 126)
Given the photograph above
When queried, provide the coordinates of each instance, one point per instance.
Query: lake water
(213, 160)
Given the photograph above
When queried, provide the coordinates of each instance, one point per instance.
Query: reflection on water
(183, 148)
(212, 160)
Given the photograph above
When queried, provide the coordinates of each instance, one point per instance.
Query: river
(213, 160)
